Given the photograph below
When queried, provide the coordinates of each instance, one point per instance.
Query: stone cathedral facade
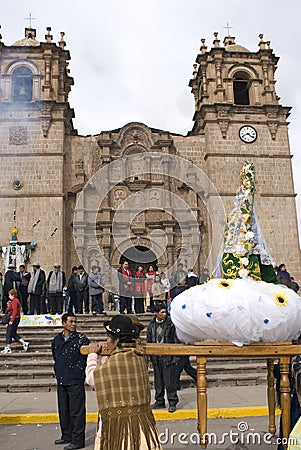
(45, 164)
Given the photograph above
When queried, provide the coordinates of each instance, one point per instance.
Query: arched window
(22, 84)
(241, 88)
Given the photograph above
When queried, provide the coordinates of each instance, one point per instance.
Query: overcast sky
(132, 59)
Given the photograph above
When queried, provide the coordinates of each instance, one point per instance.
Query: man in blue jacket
(69, 367)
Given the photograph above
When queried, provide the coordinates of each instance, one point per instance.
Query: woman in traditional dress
(123, 391)
(139, 290)
(150, 277)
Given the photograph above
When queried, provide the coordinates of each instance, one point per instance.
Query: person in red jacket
(14, 306)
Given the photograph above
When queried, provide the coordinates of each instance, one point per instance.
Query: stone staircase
(33, 371)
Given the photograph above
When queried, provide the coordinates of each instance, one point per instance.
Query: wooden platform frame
(271, 351)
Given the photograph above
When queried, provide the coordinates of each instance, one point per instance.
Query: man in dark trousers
(82, 289)
(125, 278)
(73, 304)
(35, 289)
(56, 282)
(23, 287)
(69, 367)
(11, 279)
(161, 330)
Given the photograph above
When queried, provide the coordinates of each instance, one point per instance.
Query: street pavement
(240, 432)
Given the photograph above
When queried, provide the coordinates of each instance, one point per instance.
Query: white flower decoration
(249, 235)
(244, 261)
(239, 249)
(243, 273)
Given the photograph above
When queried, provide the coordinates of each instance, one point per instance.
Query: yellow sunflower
(281, 299)
(226, 284)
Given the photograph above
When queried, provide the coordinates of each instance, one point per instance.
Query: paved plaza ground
(41, 436)
(239, 433)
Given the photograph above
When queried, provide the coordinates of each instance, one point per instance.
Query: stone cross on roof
(29, 18)
(228, 28)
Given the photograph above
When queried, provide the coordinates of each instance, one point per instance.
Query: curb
(181, 414)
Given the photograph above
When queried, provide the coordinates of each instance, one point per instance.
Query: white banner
(41, 320)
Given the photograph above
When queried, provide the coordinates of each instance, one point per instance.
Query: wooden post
(202, 399)
(285, 398)
(271, 395)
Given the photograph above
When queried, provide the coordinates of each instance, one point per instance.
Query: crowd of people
(82, 292)
(55, 293)
(139, 291)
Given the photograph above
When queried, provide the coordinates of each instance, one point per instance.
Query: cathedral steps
(33, 371)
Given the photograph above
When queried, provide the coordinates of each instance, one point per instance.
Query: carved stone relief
(46, 118)
(18, 135)
(136, 136)
(118, 197)
(138, 221)
(96, 159)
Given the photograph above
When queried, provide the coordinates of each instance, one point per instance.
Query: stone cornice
(245, 155)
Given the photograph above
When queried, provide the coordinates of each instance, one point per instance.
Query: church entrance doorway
(139, 255)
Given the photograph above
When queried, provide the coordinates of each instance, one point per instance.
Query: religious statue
(16, 253)
(243, 301)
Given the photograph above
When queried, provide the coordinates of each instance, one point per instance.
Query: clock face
(248, 134)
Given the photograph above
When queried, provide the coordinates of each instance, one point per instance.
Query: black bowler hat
(136, 321)
(121, 326)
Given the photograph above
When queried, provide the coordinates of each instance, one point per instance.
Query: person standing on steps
(69, 368)
(139, 290)
(96, 288)
(23, 287)
(11, 279)
(150, 278)
(82, 290)
(14, 306)
(125, 278)
(73, 304)
(35, 289)
(56, 282)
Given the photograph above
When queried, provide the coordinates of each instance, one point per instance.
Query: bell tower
(35, 118)
(239, 117)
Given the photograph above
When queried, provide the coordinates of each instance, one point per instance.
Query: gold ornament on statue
(14, 231)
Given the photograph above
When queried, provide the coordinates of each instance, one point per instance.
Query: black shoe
(172, 409)
(61, 441)
(73, 447)
(158, 405)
